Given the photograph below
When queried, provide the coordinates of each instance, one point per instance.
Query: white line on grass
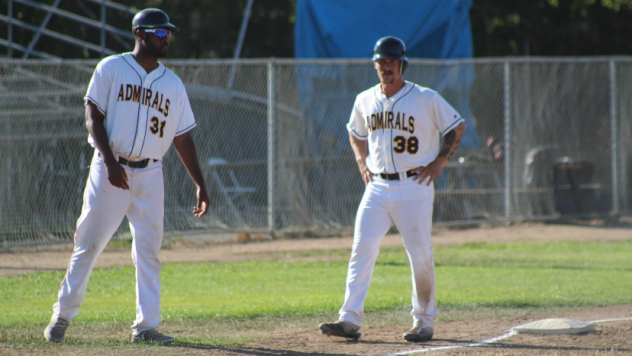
(489, 341)
(607, 320)
(511, 333)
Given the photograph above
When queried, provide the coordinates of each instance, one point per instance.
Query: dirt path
(14, 263)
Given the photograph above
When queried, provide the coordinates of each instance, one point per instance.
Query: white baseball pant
(409, 205)
(104, 207)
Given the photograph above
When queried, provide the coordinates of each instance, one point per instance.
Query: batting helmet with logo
(152, 18)
(391, 48)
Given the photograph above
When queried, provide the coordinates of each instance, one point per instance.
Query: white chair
(229, 186)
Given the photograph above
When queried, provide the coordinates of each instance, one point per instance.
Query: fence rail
(546, 137)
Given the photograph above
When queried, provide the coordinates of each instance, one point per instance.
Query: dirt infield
(610, 338)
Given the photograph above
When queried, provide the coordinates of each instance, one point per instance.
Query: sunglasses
(159, 32)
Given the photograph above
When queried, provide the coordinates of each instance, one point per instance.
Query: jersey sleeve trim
(187, 129)
(356, 134)
(95, 103)
(458, 121)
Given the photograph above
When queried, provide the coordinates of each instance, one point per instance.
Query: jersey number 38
(411, 145)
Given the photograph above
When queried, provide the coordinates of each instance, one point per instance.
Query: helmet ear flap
(403, 65)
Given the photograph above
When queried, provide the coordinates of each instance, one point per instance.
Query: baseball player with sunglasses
(395, 131)
(135, 109)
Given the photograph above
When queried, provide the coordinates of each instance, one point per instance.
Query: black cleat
(340, 328)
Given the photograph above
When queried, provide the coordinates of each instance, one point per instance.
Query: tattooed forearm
(448, 152)
(449, 138)
(451, 142)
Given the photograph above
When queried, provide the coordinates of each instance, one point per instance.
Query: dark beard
(158, 53)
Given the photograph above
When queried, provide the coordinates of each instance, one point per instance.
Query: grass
(199, 300)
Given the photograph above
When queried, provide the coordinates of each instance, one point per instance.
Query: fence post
(614, 139)
(240, 42)
(508, 148)
(271, 150)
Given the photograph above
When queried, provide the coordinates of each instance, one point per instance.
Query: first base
(555, 326)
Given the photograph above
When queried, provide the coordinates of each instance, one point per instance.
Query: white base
(555, 326)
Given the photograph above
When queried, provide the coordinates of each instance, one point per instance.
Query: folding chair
(229, 186)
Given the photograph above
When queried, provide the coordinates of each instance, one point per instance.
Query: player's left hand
(431, 171)
(203, 203)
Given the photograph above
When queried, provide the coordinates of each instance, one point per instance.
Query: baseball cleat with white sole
(419, 333)
(56, 329)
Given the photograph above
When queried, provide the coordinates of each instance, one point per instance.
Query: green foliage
(551, 27)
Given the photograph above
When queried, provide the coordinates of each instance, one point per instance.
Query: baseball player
(135, 109)
(401, 123)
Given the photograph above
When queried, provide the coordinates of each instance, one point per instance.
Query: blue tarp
(431, 29)
(350, 28)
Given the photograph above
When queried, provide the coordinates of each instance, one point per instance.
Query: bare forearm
(451, 142)
(360, 150)
(96, 128)
(188, 155)
(95, 125)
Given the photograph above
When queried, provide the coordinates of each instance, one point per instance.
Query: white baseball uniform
(403, 133)
(143, 113)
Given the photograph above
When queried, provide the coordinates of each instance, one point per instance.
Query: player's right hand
(203, 203)
(117, 176)
(367, 176)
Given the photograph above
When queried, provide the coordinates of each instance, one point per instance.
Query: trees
(210, 28)
(551, 27)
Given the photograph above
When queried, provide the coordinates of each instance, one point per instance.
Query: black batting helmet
(152, 18)
(390, 47)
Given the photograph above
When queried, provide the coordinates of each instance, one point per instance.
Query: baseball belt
(394, 176)
(135, 164)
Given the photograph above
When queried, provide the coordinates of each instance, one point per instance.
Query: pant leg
(104, 207)
(413, 218)
(372, 223)
(146, 216)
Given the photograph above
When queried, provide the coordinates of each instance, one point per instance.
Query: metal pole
(507, 153)
(10, 30)
(614, 144)
(271, 152)
(37, 35)
(240, 42)
(10, 180)
(103, 32)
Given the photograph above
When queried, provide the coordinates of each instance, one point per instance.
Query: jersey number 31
(158, 126)
(411, 145)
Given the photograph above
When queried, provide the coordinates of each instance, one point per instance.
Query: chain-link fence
(545, 138)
